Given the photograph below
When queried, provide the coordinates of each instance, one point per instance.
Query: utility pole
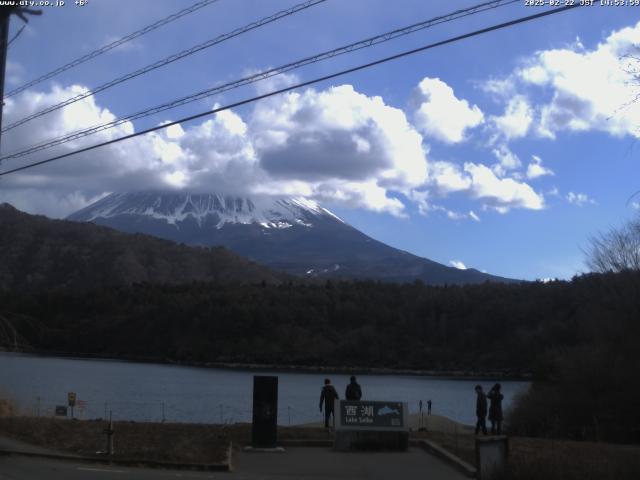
(4, 43)
(5, 14)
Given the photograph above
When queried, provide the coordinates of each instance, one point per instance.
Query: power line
(17, 34)
(299, 85)
(385, 37)
(196, 6)
(170, 59)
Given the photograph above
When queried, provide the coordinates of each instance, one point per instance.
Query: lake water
(147, 392)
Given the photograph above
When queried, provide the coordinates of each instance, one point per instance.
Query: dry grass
(540, 458)
(7, 408)
(170, 442)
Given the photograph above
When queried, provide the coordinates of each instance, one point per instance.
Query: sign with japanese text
(372, 414)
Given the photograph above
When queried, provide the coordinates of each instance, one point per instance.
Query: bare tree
(616, 250)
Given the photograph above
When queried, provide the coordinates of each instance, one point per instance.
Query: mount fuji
(294, 235)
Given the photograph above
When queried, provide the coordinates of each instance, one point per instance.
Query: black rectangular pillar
(264, 431)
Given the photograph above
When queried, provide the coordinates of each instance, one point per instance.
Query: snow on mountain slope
(269, 212)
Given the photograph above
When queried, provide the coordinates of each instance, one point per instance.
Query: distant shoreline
(462, 374)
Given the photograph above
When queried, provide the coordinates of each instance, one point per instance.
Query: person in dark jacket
(481, 410)
(353, 391)
(328, 396)
(495, 409)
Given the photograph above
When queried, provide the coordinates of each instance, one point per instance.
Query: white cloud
(342, 144)
(457, 264)
(591, 89)
(536, 169)
(635, 205)
(579, 199)
(501, 193)
(507, 160)
(481, 182)
(440, 115)
(515, 121)
(337, 146)
(447, 177)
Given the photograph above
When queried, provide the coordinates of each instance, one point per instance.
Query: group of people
(495, 409)
(329, 395)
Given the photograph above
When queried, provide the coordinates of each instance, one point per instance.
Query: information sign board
(372, 415)
(61, 410)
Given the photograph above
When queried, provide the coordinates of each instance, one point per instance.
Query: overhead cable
(186, 11)
(298, 85)
(170, 59)
(371, 41)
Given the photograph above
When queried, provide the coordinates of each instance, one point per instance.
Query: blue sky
(503, 152)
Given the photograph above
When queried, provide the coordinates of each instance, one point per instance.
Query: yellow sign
(71, 396)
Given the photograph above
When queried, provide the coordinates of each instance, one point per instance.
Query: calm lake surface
(146, 392)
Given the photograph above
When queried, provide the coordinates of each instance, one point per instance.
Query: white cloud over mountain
(337, 145)
(439, 114)
(458, 264)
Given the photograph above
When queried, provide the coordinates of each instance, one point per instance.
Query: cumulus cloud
(579, 199)
(481, 182)
(501, 193)
(457, 264)
(515, 121)
(535, 169)
(507, 160)
(440, 114)
(341, 144)
(336, 145)
(590, 89)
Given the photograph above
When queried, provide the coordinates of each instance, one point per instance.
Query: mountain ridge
(293, 235)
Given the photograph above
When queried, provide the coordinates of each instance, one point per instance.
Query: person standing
(481, 410)
(495, 409)
(429, 407)
(353, 391)
(328, 396)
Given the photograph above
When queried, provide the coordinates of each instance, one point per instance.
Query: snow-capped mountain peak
(174, 208)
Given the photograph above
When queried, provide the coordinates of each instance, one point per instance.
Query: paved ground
(296, 463)
(324, 464)
(25, 468)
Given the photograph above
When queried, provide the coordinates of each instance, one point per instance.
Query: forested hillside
(39, 253)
